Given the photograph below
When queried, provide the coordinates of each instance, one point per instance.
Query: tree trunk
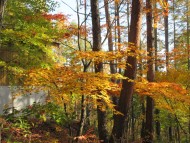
(143, 120)
(2, 9)
(130, 72)
(150, 75)
(188, 54)
(96, 31)
(118, 30)
(3, 70)
(166, 35)
(109, 31)
(157, 111)
(132, 121)
(82, 117)
(167, 57)
(170, 133)
(157, 123)
(110, 44)
(174, 25)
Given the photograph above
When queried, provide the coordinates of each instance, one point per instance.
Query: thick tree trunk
(130, 72)
(96, 31)
(150, 75)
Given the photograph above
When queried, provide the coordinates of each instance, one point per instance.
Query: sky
(64, 7)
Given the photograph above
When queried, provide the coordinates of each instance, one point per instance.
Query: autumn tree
(148, 138)
(27, 36)
(129, 73)
(96, 30)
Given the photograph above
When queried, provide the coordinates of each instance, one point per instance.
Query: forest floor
(42, 132)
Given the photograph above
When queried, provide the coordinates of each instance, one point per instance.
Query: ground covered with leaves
(41, 124)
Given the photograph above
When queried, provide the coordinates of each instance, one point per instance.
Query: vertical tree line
(128, 74)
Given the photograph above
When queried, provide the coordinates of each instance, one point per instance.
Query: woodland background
(118, 74)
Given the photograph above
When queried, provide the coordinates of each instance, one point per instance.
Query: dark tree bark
(167, 59)
(150, 75)
(157, 111)
(132, 121)
(130, 72)
(82, 116)
(96, 31)
(143, 120)
(157, 123)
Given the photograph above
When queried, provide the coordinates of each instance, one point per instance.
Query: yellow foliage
(166, 95)
(63, 82)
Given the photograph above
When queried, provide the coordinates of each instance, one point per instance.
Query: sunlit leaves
(167, 95)
(62, 82)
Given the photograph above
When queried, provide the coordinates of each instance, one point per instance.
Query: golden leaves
(63, 82)
(117, 2)
(166, 95)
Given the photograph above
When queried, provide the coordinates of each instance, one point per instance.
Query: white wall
(21, 101)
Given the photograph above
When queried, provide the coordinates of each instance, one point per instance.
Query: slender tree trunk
(167, 60)
(96, 31)
(156, 36)
(170, 131)
(128, 16)
(150, 75)
(157, 123)
(118, 29)
(166, 35)
(110, 44)
(109, 30)
(87, 121)
(142, 100)
(2, 9)
(3, 70)
(178, 134)
(132, 121)
(157, 111)
(85, 113)
(174, 25)
(143, 120)
(130, 72)
(188, 52)
(82, 117)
